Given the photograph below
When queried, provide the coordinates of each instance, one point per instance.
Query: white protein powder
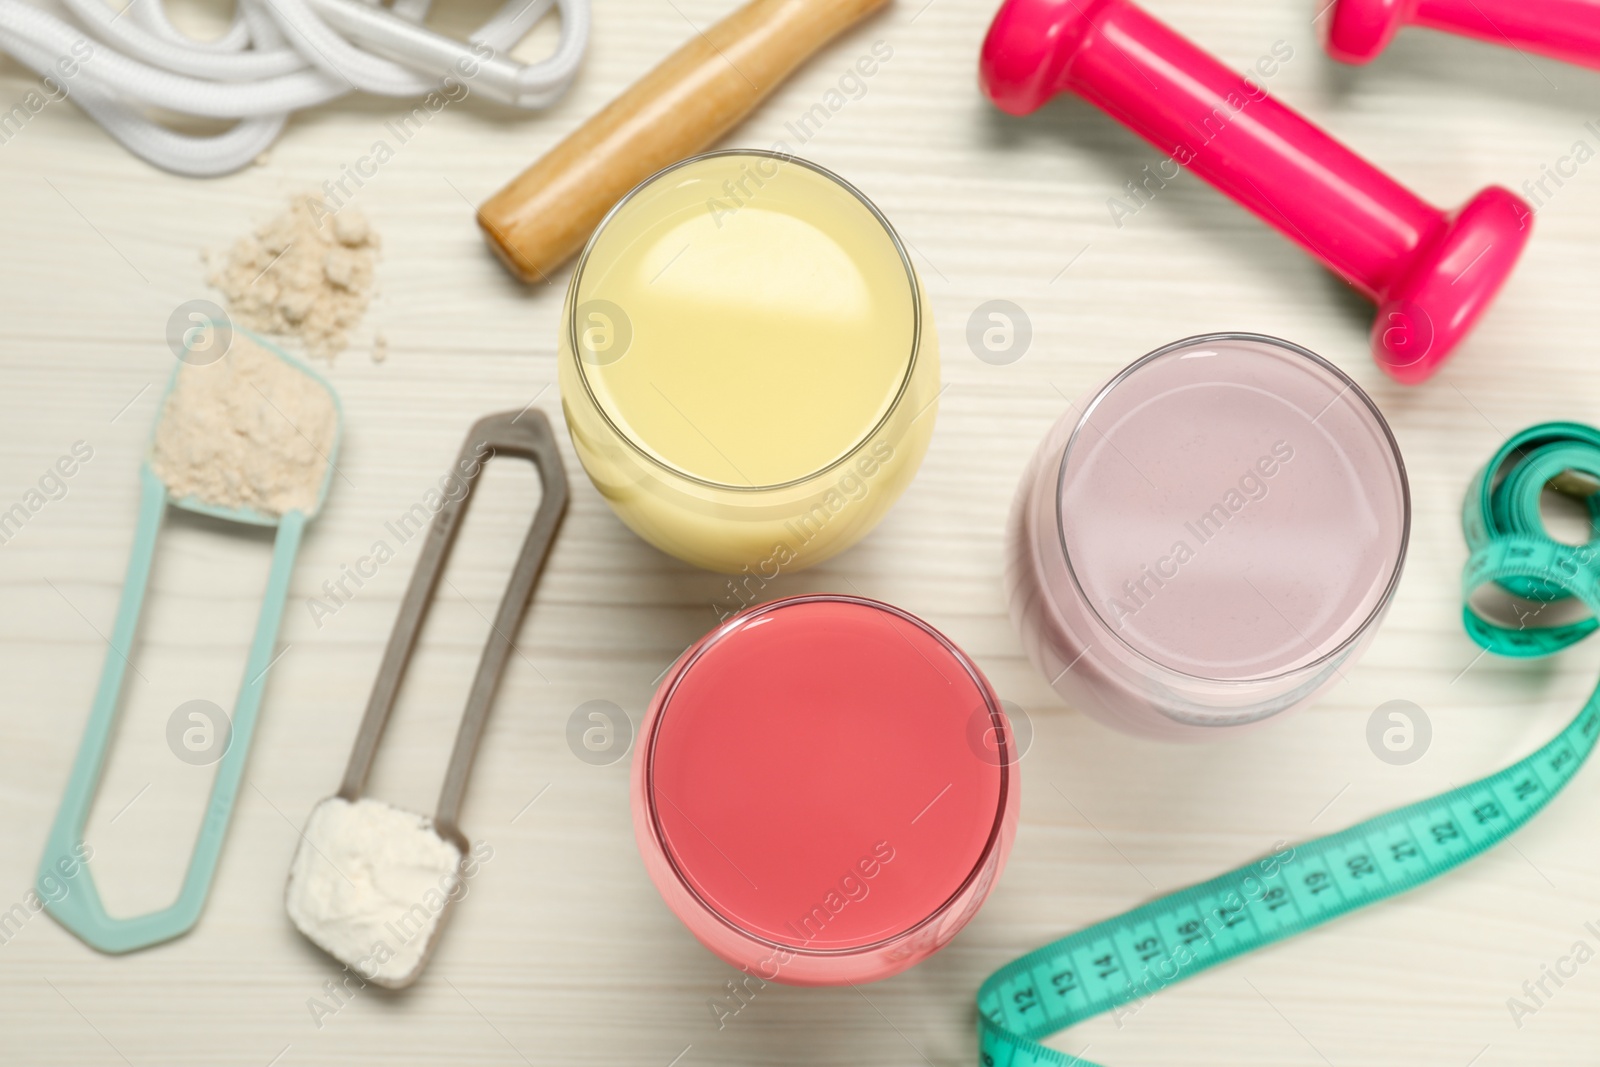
(248, 430)
(369, 884)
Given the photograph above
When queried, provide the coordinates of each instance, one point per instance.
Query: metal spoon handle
(524, 435)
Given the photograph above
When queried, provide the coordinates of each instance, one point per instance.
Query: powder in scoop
(246, 431)
(307, 273)
(369, 885)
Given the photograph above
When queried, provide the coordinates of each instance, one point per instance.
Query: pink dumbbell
(1563, 29)
(1431, 273)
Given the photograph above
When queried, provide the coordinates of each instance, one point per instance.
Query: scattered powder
(248, 430)
(380, 348)
(369, 884)
(307, 274)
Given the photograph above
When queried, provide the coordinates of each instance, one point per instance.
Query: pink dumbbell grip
(1562, 29)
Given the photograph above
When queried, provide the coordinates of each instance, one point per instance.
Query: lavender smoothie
(1209, 538)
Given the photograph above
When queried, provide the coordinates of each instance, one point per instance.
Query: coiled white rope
(277, 57)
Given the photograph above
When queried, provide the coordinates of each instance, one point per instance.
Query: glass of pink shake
(824, 790)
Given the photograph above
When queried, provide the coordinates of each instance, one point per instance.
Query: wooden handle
(692, 98)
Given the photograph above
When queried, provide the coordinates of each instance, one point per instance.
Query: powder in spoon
(307, 274)
(249, 430)
(369, 885)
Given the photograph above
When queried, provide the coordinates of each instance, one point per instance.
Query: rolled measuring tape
(1141, 952)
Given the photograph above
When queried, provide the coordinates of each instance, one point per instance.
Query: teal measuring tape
(1137, 954)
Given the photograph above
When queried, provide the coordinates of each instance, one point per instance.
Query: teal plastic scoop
(80, 909)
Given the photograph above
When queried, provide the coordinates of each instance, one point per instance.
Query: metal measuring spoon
(371, 884)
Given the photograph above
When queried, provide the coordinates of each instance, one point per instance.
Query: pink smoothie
(1213, 540)
(813, 796)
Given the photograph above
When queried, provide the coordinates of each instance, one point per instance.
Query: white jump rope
(278, 56)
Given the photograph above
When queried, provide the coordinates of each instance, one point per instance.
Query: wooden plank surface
(562, 952)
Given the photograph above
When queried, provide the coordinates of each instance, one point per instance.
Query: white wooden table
(563, 953)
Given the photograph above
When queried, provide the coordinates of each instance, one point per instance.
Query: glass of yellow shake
(748, 364)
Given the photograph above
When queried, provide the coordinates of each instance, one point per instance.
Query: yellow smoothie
(748, 366)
